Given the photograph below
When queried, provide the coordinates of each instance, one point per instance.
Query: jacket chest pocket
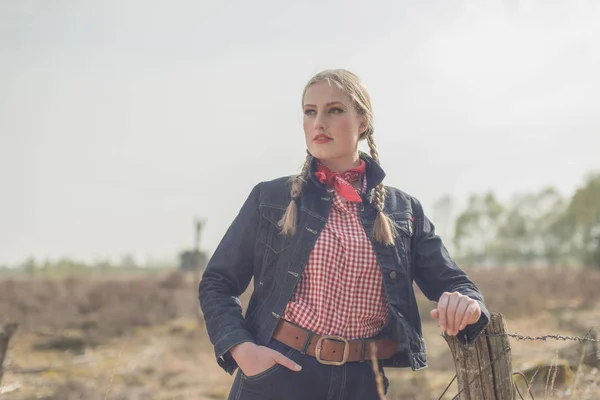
(269, 233)
(405, 225)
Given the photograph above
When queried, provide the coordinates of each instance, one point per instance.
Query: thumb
(286, 362)
(434, 313)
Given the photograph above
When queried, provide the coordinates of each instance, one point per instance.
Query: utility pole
(200, 224)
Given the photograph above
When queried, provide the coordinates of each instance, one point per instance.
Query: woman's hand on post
(455, 311)
(254, 359)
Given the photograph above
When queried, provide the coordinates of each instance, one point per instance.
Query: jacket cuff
(224, 345)
(471, 332)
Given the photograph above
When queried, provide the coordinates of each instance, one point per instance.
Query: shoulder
(275, 191)
(280, 183)
(398, 201)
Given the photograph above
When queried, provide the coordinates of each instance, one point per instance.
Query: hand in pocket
(254, 359)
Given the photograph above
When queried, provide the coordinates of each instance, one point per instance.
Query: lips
(321, 138)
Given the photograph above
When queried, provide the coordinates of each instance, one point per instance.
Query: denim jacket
(254, 248)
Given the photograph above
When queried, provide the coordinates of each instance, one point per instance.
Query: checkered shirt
(341, 290)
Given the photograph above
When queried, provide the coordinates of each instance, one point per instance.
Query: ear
(363, 126)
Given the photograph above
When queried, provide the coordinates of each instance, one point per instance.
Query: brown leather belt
(333, 350)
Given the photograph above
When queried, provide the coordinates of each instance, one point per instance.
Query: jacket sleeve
(436, 273)
(225, 278)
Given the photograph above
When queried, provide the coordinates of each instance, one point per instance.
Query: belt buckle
(319, 347)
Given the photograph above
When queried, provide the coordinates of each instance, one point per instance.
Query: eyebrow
(326, 105)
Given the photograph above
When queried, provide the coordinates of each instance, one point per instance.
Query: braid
(288, 221)
(372, 147)
(384, 230)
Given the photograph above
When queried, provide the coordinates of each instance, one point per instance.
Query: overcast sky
(120, 121)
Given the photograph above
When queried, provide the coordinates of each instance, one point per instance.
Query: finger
(286, 362)
(442, 306)
(475, 314)
(453, 300)
(461, 311)
(434, 313)
(467, 316)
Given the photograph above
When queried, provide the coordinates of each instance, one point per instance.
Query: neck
(342, 164)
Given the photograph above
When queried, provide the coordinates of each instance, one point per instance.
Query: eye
(336, 110)
(309, 112)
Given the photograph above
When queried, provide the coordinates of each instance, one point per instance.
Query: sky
(122, 121)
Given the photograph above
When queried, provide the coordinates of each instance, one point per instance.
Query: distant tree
(579, 225)
(69, 266)
(128, 261)
(103, 264)
(550, 206)
(525, 235)
(30, 266)
(477, 227)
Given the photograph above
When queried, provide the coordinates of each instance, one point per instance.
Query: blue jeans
(353, 380)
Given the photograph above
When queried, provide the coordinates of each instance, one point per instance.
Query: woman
(333, 253)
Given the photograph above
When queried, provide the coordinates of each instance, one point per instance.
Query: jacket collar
(375, 174)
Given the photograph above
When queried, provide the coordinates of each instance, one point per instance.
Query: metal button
(393, 275)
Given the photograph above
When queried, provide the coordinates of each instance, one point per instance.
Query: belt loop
(307, 342)
(362, 349)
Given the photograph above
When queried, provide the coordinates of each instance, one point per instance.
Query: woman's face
(332, 126)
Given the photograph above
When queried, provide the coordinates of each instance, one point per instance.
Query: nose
(319, 123)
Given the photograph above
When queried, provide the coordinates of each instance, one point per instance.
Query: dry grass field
(141, 337)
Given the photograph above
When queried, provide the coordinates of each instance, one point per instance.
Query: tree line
(537, 228)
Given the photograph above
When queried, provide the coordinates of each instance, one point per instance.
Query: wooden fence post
(484, 368)
(5, 335)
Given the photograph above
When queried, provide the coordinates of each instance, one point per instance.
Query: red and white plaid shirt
(341, 289)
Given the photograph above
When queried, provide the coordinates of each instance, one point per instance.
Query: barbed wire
(544, 338)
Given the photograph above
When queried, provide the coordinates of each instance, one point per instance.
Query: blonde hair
(384, 230)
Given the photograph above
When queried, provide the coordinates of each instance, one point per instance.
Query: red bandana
(342, 182)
